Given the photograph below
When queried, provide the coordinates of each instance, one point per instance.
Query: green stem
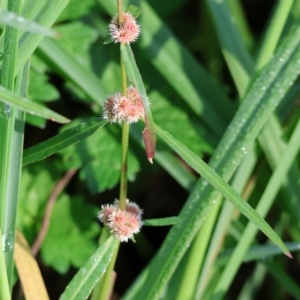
(125, 140)
(120, 11)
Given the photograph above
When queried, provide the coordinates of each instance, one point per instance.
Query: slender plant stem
(106, 286)
(125, 140)
(120, 11)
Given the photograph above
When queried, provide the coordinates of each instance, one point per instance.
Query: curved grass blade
(135, 77)
(85, 279)
(62, 141)
(162, 222)
(33, 285)
(224, 188)
(33, 108)
(260, 101)
(13, 20)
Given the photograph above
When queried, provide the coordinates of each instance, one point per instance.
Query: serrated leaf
(76, 232)
(33, 108)
(76, 9)
(62, 140)
(40, 90)
(34, 193)
(86, 278)
(77, 38)
(134, 10)
(11, 19)
(99, 159)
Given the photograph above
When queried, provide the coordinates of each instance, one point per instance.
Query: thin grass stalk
(11, 150)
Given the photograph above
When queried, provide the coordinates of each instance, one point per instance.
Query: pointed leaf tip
(288, 254)
(150, 160)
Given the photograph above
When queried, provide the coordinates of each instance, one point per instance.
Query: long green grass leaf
(85, 279)
(220, 185)
(62, 141)
(33, 108)
(4, 287)
(263, 207)
(13, 20)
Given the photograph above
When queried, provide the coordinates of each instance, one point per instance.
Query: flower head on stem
(118, 108)
(125, 32)
(123, 224)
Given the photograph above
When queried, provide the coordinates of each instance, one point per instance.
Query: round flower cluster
(123, 224)
(118, 108)
(125, 32)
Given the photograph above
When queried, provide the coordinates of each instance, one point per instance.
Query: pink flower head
(118, 108)
(125, 32)
(123, 224)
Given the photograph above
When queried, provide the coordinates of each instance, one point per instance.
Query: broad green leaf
(220, 185)
(86, 278)
(98, 156)
(33, 108)
(40, 90)
(77, 232)
(34, 194)
(33, 285)
(13, 20)
(161, 222)
(135, 77)
(262, 97)
(75, 10)
(62, 140)
(76, 38)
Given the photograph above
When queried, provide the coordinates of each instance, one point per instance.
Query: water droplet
(8, 241)
(214, 201)
(6, 113)
(281, 59)
(299, 246)
(263, 88)
(244, 150)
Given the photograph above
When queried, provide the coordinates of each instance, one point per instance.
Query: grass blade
(33, 108)
(162, 222)
(62, 141)
(220, 185)
(85, 279)
(4, 287)
(13, 20)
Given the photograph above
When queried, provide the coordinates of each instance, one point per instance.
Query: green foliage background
(195, 91)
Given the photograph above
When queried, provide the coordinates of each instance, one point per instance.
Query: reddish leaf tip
(150, 160)
(288, 254)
